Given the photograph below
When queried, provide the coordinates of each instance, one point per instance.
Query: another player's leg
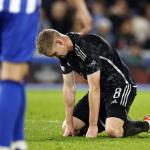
(10, 99)
(9, 105)
(18, 138)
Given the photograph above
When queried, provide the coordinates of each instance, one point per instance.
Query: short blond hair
(45, 40)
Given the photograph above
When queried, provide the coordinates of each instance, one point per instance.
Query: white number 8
(117, 93)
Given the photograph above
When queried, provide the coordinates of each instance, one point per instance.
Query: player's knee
(12, 71)
(77, 124)
(114, 132)
(114, 127)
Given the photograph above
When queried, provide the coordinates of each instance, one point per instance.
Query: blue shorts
(17, 36)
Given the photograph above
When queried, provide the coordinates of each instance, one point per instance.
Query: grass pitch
(45, 114)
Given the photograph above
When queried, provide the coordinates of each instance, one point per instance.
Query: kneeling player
(111, 87)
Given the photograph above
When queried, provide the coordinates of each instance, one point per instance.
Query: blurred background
(124, 23)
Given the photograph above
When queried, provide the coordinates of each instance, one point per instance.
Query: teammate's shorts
(17, 35)
(114, 104)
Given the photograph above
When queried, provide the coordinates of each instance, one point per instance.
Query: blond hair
(45, 40)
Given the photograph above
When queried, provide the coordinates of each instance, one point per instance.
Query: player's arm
(84, 15)
(69, 101)
(94, 103)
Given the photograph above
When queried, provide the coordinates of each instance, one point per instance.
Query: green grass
(45, 114)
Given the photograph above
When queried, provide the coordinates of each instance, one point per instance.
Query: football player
(18, 29)
(111, 87)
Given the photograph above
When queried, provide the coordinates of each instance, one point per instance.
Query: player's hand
(69, 131)
(92, 132)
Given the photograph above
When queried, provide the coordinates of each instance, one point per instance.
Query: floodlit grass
(45, 115)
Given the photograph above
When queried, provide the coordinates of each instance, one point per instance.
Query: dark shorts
(113, 104)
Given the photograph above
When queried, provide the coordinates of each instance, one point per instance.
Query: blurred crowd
(124, 23)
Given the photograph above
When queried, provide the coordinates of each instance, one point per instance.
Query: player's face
(61, 50)
(58, 51)
(50, 53)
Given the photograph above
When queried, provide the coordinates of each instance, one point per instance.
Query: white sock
(149, 125)
(4, 148)
(22, 145)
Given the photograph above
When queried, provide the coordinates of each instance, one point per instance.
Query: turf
(45, 114)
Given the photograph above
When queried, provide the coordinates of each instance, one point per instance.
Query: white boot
(4, 148)
(20, 145)
(147, 119)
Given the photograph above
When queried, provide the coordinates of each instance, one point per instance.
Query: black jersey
(92, 53)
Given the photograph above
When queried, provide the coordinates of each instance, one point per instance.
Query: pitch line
(45, 121)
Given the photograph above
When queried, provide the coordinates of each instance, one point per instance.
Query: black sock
(135, 127)
(83, 130)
